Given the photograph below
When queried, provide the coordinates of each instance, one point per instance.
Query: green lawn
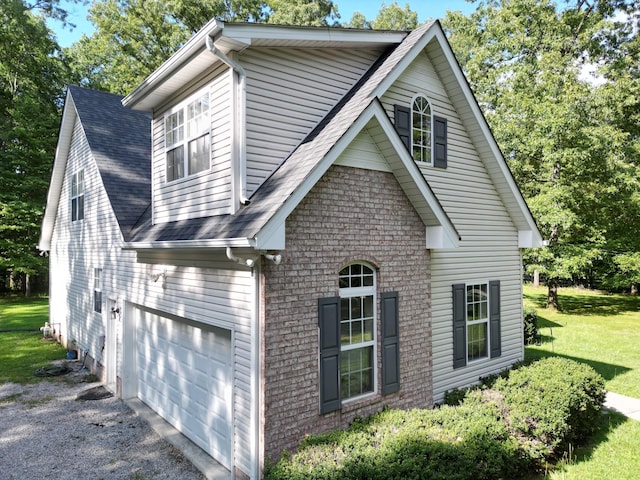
(23, 352)
(603, 331)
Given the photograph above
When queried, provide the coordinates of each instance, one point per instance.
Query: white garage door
(184, 374)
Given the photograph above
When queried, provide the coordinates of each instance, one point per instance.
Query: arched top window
(421, 129)
(357, 330)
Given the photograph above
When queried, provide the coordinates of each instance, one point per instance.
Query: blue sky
(426, 9)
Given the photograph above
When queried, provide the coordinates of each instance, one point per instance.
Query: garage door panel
(185, 374)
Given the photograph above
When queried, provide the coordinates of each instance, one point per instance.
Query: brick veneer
(350, 215)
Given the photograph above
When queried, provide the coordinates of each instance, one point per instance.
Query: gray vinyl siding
(287, 96)
(207, 288)
(206, 193)
(79, 247)
(489, 246)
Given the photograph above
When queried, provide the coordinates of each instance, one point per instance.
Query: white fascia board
(271, 237)
(69, 116)
(292, 33)
(187, 244)
(195, 44)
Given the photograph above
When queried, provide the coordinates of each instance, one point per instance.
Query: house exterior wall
(287, 97)
(208, 192)
(489, 246)
(76, 249)
(351, 215)
(205, 288)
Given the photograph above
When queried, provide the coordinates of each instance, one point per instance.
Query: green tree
(559, 133)
(132, 38)
(394, 17)
(31, 82)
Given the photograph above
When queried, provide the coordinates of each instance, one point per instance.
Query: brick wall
(350, 215)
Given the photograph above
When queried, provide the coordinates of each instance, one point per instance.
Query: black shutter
(329, 323)
(459, 325)
(494, 318)
(402, 116)
(440, 142)
(390, 343)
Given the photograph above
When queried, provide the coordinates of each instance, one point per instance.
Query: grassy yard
(603, 331)
(22, 348)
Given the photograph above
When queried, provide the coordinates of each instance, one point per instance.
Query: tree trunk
(552, 294)
(634, 289)
(27, 285)
(536, 278)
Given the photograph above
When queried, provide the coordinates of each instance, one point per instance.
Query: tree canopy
(32, 78)
(566, 136)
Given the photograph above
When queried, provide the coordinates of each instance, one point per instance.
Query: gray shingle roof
(120, 141)
(274, 192)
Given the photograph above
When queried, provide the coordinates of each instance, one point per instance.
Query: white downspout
(239, 124)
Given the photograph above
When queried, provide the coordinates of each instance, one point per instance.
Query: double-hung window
(188, 138)
(357, 331)
(97, 290)
(477, 322)
(77, 196)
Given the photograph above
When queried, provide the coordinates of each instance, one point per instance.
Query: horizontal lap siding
(489, 246)
(79, 247)
(286, 98)
(206, 193)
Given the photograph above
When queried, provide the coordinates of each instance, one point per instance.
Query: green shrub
(531, 335)
(498, 431)
(552, 403)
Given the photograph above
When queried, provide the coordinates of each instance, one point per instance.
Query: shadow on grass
(584, 304)
(608, 370)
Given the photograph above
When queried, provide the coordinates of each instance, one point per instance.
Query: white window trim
(186, 139)
(431, 147)
(350, 292)
(74, 179)
(97, 287)
(478, 322)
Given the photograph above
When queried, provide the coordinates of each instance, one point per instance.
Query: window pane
(477, 341)
(198, 116)
(368, 306)
(345, 333)
(344, 309)
(174, 130)
(175, 164)
(80, 214)
(74, 209)
(356, 307)
(357, 372)
(356, 331)
(368, 330)
(74, 185)
(199, 154)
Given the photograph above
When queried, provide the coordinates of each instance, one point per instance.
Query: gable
(119, 142)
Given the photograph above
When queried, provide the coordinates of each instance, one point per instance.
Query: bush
(497, 431)
(531, 335)
(552, 403)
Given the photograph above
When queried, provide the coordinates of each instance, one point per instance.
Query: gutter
(239, 124)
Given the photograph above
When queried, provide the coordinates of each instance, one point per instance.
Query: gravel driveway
(47, 433)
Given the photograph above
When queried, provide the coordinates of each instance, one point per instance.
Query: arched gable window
(423, 133)
(421, 124)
